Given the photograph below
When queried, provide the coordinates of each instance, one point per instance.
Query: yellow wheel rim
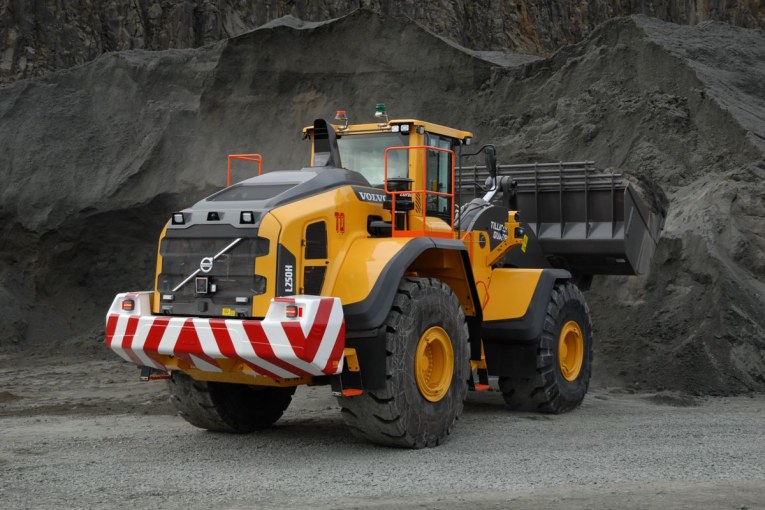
(434, 364)
(570, 350)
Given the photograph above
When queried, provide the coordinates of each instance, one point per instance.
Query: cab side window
(438, 176)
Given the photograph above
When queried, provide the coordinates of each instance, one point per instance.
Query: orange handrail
(255, 158)
(420, 233)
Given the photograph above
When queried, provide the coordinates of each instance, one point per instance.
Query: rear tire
(561, 378)
(422, 398)
(224, 407)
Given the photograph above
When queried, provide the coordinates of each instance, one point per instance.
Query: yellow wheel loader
(375, 272)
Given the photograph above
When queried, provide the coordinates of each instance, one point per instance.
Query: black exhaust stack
(325, 150)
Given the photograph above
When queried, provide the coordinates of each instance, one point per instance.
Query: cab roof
(385, 127)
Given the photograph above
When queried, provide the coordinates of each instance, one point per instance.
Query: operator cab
(404, 145)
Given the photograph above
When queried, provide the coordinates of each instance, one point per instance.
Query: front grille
(232, 274)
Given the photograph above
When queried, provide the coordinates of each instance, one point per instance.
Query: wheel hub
(434, 364)
(570, 350)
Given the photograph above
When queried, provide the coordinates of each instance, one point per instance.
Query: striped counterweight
(276, 347)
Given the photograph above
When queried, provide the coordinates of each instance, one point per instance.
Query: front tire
(225, 407)
(427, 367)
(561, 359)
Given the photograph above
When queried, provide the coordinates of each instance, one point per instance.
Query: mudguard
(528, 327)
(371, 312)
(365, 319)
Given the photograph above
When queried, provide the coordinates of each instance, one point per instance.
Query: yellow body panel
(383, 127)
(351, 359)
(265, 266)
(510, 292)
(447, 266)
(232, 372)
(155, 302)
(354, 260)
(360, 271)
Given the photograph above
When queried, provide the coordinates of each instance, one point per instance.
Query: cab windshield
(366, 155)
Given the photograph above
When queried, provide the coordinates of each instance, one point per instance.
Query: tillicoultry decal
(498, 231)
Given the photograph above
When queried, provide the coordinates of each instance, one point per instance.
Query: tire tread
(222, 407)
(378, 416)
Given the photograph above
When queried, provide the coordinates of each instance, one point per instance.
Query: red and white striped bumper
(276, 347)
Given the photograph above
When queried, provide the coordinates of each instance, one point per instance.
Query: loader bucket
(587, 221)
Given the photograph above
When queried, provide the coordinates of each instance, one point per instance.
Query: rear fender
(445, 259)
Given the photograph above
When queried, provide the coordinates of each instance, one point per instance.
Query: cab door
(438, 176)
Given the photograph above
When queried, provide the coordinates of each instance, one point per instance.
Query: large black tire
(548, 390)
(224, 407)
(399, 415)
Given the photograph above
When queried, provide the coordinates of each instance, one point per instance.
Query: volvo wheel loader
(374, 272)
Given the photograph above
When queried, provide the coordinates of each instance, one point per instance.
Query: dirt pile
(97, 157)
(682, 107)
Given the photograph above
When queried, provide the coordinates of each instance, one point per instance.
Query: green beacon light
(380, 111)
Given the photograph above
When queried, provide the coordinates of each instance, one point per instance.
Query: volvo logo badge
(206, 264)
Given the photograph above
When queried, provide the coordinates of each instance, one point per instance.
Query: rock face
(37, 37)
(95, 158)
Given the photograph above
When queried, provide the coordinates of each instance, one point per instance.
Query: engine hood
(260, 194)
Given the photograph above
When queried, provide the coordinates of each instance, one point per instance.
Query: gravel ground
(88, 434)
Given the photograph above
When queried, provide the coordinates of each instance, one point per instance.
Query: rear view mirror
(491, 160)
